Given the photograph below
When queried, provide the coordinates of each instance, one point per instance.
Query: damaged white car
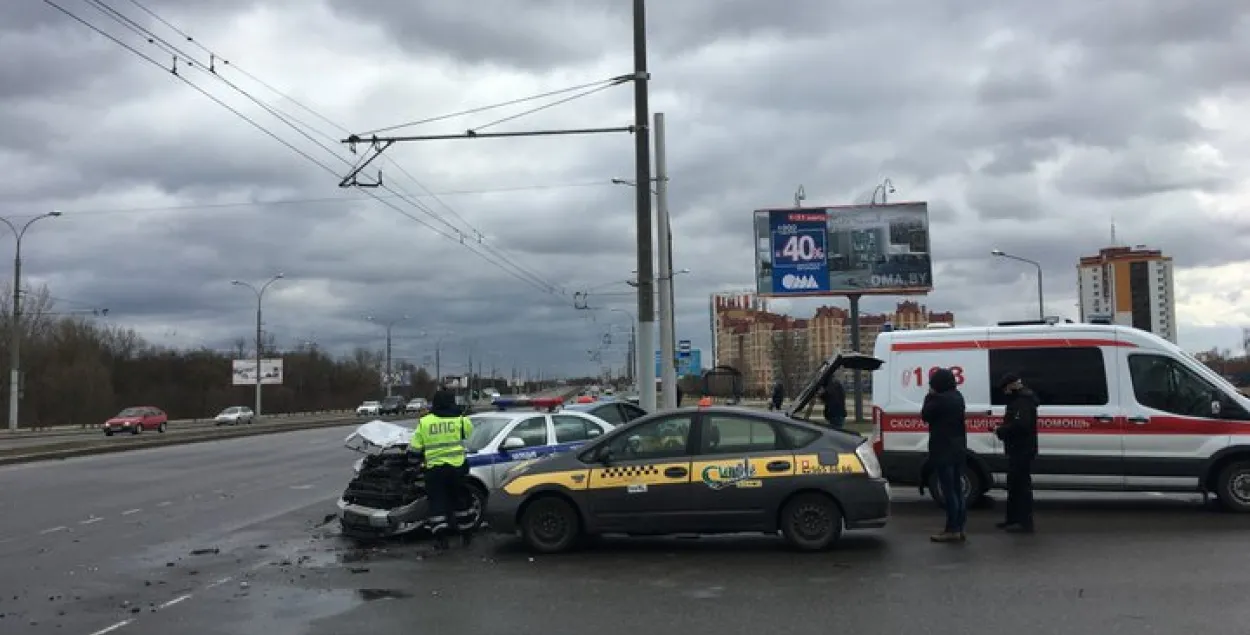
(386, 497)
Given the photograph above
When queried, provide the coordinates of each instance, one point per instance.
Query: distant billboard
(843, 250)
(244, 371)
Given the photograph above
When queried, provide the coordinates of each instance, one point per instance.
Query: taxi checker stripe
(988, 344)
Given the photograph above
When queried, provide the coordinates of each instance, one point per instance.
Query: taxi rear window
(798, 437)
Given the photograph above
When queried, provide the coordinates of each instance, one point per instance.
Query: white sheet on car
(376, 436)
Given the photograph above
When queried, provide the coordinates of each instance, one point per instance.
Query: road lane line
(174, 601)
(93, 519)
(164, 504)
(219, 582)
(112, 628)
(131, 511)
(301, 487)
(53, 530)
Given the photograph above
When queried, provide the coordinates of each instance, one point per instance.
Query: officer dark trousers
(441, 483)
(1020, 491)
(464, 504)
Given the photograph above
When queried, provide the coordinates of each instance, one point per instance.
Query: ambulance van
(1121, 410)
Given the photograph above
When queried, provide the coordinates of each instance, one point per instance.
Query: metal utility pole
(1041, 299)
(260, 295)
(632, 358)
(642, 176)
(15, 327)
(668, 342)
(387, 379)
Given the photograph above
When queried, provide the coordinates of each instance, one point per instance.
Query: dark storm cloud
(988, 111)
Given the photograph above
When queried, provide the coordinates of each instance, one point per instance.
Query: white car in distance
(234, 415)
(371, 408)
(416, 405)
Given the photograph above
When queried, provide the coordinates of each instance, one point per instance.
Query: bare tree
(790, 359)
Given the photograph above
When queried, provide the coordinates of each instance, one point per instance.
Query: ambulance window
(1059, 376)
(1163, 383)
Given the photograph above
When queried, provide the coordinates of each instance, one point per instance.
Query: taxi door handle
(676, 472)
(778, 466)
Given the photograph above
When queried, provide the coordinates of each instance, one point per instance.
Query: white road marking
(93, 519)
(131, 511)
(53, 530)
(219, 582)
(174, 601)
(112, 628)
(164, 504)
(301, 487)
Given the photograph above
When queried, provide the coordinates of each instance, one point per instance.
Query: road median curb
(36, 454)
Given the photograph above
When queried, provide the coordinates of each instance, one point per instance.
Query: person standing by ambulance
(1019, 436)
(944, 412)
(439, 438)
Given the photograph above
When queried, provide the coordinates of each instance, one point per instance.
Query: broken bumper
(383, 522)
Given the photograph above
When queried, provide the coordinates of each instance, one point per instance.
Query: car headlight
(869, 459)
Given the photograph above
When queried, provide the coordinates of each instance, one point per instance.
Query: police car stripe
(539, 451)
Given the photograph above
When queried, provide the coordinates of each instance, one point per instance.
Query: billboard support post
(859, 388)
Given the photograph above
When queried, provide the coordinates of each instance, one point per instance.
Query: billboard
(244, 371)
(843, 250)
(689, 362)
(402, 378)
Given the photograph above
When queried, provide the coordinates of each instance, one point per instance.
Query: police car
(500, 440)
(705, 470)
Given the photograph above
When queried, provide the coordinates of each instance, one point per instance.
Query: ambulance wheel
(1233, 487)
(550, 525)
(811, 522)
(973, 488)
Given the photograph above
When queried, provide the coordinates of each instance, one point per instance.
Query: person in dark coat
(943, 411)
(834, 398)
(779, 395)
(1019, 436)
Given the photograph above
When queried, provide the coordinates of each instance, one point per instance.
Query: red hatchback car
(136, 420)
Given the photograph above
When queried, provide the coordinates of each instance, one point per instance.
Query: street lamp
(15, 332)
(389, 324)
(260, 296)
(633, 358)
(1041, 302)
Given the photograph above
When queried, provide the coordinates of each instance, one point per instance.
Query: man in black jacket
(1019, 436)
(944, 412)
(834, 398)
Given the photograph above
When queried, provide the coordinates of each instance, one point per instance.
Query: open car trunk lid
(807, 398)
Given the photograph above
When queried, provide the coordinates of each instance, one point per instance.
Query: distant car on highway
(137, 419)
(369, 408)
(391, 406)
(416, 405)
(234, 415)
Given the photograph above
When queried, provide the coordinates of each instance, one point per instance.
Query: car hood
(377, 436)
(854, 361)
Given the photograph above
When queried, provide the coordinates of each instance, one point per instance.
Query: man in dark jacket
(1019, 436)
(779, 395)
(834, 398)
(943, 411)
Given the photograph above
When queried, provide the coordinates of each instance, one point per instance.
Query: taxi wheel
(811, 522)
(550, 525)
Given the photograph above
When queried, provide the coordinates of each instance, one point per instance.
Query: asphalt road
(110, 542)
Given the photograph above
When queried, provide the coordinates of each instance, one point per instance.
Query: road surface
(232, 537)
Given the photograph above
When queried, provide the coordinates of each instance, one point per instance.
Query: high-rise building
(729, 304)
(1130, 286)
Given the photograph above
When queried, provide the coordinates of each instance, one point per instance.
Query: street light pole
(668, 343)
(260, 296)
(1041, 301)
(15, 330)
(642, 176)
(633, 359)
(387, 380)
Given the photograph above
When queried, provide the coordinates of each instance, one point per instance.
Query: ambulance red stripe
(1158, 425)
(988, 344)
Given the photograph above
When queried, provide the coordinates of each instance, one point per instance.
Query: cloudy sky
(1027, 127)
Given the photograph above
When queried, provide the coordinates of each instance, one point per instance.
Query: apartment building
(766, 346)
(1130, 286)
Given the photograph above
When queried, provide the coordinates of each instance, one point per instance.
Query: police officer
(1019, 436)
(439, 438)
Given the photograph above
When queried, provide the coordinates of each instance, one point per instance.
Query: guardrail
(38, 430)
